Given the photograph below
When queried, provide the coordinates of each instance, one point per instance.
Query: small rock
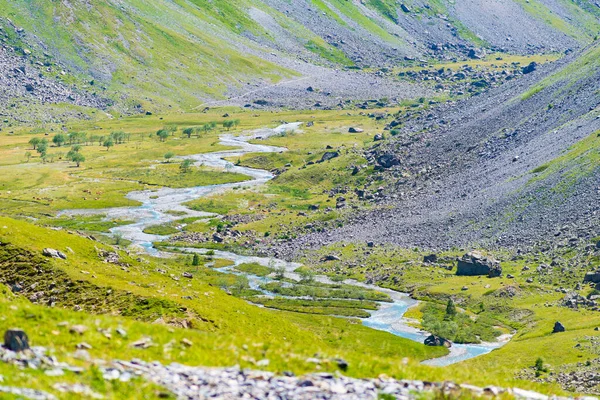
(80, 329)
(342, 364)
(142, 343)
(54, 253)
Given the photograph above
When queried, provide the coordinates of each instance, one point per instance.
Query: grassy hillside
(163, 55)
(225, 330)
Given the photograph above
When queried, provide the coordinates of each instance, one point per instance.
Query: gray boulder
(530, 68)
(592, 277)
(329, 156)
(475, 264)
(355, 130)
(54, 253)
(430, 259)
(437, 341)
(387, 160)
(16, 340)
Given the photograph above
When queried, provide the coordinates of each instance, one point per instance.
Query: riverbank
(167, 205)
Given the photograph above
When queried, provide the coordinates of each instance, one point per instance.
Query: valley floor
(236, 237)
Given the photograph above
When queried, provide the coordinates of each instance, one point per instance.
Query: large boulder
(355, 130)
(329, 156)
(558, 327)
(475, 264)
(430, 259)
(437, 341)
(593, 277)
(54, 253)
(16, 340)
(530, 68)
(387, 160)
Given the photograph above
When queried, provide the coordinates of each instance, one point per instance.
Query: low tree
(209, 126)
(228, 124)
(306, 275)
(118, 137)
(78, 158)
(539, 367)
(162, 134)
(171, 128)
(28, 155)
(188, 132)
(186, 165)
(108, 143)
(77, 137)
(118, 238)
(450, 310)
(59, 139)
(279, 273)
(169, 156)
(72, 153)
(196, 260)
(42, 147)
(34, 142)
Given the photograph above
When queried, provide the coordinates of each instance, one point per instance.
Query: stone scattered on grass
(79, 329)
(54, 253)
(143, 343)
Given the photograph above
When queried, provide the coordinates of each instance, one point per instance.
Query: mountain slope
(512, 167)
(167, 54)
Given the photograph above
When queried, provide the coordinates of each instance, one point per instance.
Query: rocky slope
(165, 55)
(511, 167)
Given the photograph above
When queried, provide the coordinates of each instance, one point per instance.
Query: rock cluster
(25, 81)
(574, 300)
(468, 79)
